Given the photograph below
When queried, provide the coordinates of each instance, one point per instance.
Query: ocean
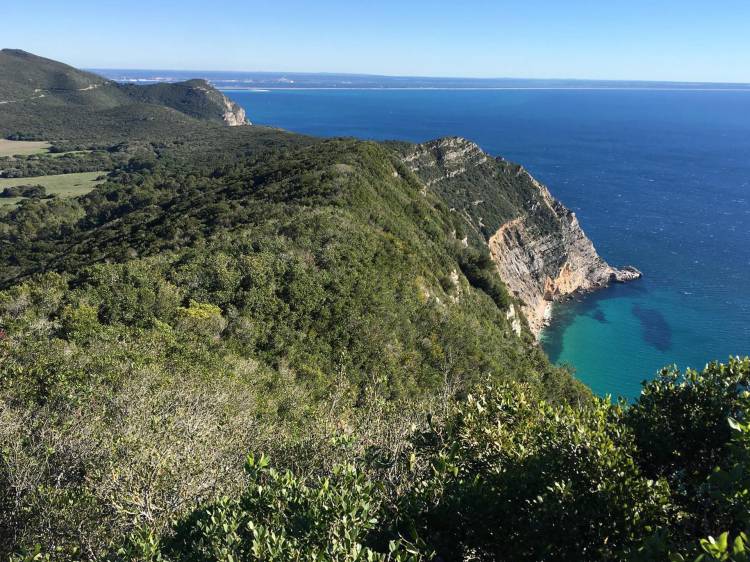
(659, 179)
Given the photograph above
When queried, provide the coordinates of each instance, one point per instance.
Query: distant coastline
(508, 88)
(458, 88)
(250, 81)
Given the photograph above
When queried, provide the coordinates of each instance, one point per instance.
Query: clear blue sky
(689, 40)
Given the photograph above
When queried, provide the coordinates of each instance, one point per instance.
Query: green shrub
(481, 272)
(79, 322)
(513, 478)
(281, 517)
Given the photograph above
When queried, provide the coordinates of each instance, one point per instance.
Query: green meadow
(62, 185)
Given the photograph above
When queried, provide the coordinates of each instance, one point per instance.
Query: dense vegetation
(29, 191)
(507, 476)
(61, 163)
(306, 309)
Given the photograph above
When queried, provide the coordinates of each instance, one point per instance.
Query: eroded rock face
(231, 113)
(234, 114)
(541, 252)
(542, 269)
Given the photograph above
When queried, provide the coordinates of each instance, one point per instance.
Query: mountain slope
(48, 100)
(26, 76)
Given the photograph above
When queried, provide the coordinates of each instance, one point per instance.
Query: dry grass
(22, 148)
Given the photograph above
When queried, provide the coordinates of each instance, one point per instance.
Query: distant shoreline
(479, 88)
(231, 80)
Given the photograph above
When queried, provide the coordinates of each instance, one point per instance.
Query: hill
(41, 99)
(355, 310)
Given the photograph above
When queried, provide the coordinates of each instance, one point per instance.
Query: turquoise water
(658, 179)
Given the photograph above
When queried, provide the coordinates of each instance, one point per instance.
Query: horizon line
(489, 88)
(421, 77)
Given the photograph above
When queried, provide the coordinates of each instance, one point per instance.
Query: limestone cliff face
(541, 252)
(541, 269)
(231, 113)
(234, 114)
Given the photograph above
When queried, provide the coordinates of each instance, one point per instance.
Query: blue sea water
(659, 179)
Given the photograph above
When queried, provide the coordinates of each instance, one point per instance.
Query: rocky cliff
(234, 114)
(540, 250)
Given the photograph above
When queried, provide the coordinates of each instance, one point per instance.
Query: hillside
(41, 99)
(360, 312)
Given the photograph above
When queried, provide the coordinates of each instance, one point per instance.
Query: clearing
(22, 148)
(62, 185)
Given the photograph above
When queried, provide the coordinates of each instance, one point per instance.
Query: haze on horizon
(665, 40)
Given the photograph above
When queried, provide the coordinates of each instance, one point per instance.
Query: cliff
(540, 250)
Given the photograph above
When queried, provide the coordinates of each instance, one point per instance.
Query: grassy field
(62, 185)
(22, 148)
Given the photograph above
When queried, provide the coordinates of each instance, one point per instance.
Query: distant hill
(34, 90)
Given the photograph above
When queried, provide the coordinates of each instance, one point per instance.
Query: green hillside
(26, 75)
(247, 344)
(43, 100)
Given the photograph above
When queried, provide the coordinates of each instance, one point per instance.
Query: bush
(513, 478)
(281, 517)
(481, 272)
(30, 191)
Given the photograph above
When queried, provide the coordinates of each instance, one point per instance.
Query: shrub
(29, 191)
(513, 478)
(281, 517)
(481, 272)
(202, 318)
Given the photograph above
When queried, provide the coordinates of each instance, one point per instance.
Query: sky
(679, 40)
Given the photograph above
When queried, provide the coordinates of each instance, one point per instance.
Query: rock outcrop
(542, 269)
(234, 114)
(540, 250)
(231, 113)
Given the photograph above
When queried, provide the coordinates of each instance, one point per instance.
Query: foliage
(680, 427)
(679, 420)
(480, 271)
(514, 478)
(729, 488)
(56, 164)
(281, 517)
(24, 191)
(504, 476)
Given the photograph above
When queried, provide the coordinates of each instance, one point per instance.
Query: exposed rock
(515, 321)
(542, 269)
(445, 158)
(541, 252)
(234, 114)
